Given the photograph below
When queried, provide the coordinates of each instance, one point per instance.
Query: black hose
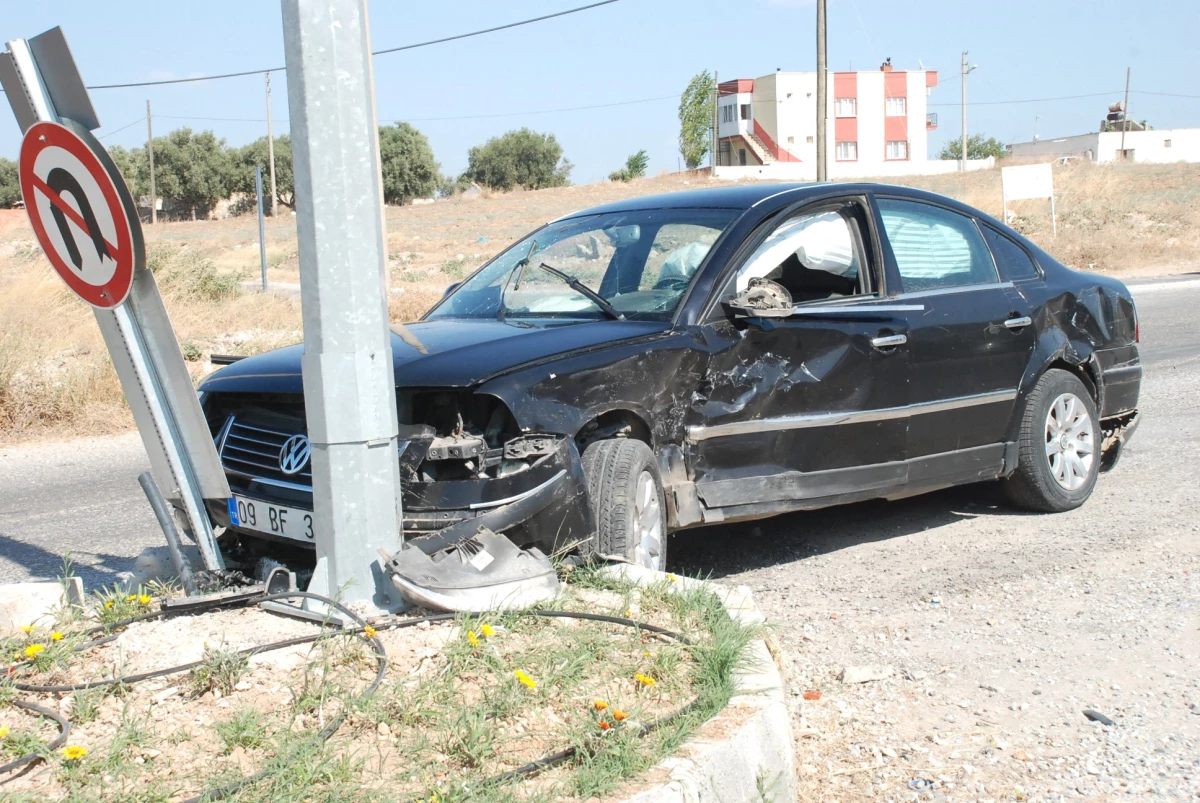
(545, 762)
(64, 730)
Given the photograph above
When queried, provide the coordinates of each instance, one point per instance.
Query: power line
(413, 46)
(1030, 100)
(1162, 94)
(122, 128)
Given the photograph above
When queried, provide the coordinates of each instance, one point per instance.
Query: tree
(521, 158)
(255, 154)
(10, 185)
(192, 171)
(406, 160)
(635, 167)
(978, 147)
(695, 119)
(134, 168)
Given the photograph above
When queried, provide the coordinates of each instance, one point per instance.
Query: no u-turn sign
(81, 213)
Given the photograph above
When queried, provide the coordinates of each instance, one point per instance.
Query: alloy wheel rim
(1070, 446)
(648, 526)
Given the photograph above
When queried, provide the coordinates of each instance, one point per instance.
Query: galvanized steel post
(349, 382)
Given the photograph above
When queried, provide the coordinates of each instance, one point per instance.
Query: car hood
(444, 352)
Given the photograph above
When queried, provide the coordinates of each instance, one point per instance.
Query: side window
(815, 256)
(677, 251)
(934, 247)
(1013, 261)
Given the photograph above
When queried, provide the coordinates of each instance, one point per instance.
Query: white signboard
(1028, 182)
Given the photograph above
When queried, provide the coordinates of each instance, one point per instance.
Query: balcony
(931, 121)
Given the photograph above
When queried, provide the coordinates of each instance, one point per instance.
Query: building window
(895, 107)
(808, 139)
(727, 113)
(725, 158)
(847, 151)
(742, 156)
(745, 111)
(792, 141)
(845, 107)
(1166, 143)
(897, 149)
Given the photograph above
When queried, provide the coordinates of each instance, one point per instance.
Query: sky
(462, 93)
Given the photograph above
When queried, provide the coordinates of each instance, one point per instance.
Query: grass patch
(244, 729)
(220, 670)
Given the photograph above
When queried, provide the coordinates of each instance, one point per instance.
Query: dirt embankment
(56, 378)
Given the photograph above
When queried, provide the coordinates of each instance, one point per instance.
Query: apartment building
(877, 123)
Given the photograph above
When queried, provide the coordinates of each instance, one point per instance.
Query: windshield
(640, 263)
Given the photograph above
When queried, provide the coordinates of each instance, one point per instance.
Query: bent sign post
(85, 221)
(77, 213)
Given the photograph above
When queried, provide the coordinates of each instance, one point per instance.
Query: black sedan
(718, 355)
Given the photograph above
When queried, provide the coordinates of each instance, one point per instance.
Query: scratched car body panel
(778, 347)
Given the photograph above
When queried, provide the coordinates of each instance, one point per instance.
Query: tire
(1059, 443)
(625, 492)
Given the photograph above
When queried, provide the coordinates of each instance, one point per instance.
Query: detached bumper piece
(1115, 433)
(485, 572)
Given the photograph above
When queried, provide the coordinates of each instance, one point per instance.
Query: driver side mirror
(763, 298)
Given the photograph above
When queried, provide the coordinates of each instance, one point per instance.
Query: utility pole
(1125, 114)
(271, 148)
(965, 71)
(822, 76)
(150, 153)
(716, 137)
(347, 370)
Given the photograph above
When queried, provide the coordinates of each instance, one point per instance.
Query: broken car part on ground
(718, 355)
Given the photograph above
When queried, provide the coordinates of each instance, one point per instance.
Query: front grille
(253, 452)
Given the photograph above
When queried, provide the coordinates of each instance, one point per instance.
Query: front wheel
(1059, 446)
(626, 496)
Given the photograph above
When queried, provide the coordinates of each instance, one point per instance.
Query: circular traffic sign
(80, 211)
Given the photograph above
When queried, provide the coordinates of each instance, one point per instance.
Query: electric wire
(413, 46)
(545, 762)
(122, 128)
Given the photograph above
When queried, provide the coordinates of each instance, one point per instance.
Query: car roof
(737, 196)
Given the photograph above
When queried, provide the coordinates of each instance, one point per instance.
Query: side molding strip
(700, 433)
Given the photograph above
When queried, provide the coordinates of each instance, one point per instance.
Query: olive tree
(407, 163)
(521, 158)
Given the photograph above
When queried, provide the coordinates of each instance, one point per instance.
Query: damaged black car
(718, 355)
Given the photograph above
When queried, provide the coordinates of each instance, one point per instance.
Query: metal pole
(963, 163)
(716, 137)
(150, 154)
(262, 237)
(1125, 114)
(271, 155)
(822, 111)
(170, 532)
(349, 379)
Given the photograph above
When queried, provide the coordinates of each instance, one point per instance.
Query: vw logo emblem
(293, 456)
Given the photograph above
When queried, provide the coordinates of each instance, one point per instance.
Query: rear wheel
(626, 496)
(1059, 446)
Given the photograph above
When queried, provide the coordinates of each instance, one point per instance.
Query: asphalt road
(82, 498)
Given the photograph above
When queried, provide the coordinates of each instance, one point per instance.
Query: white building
(877, 125)
(1160, 145)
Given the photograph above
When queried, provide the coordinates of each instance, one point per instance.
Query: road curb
(745, 752)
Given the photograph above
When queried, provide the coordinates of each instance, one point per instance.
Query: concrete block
(35, 603)
(155, 564)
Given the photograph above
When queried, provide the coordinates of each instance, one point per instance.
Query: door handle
(884, 342)
(1018, 323)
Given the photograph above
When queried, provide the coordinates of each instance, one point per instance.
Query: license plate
(286, 522)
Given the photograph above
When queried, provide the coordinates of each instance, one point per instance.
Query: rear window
(1012, 260)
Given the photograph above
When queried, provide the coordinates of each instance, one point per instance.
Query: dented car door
(807, 405)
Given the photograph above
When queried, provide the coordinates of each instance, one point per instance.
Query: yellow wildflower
(645, 680)
(619, 715)
(604, 725)
(370, 632)
(74, 752)
(34, 649)
(130, 598)
(471, 639)
(144, 599)
(487, 630)
(525, 680)
(56, 636)
(599, 705)
(108, 604)
(27, 628)
(3, 732)
(674, 579)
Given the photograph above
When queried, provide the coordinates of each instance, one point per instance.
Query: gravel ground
(998, 629)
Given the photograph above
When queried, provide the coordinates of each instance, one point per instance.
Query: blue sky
(631, 50)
